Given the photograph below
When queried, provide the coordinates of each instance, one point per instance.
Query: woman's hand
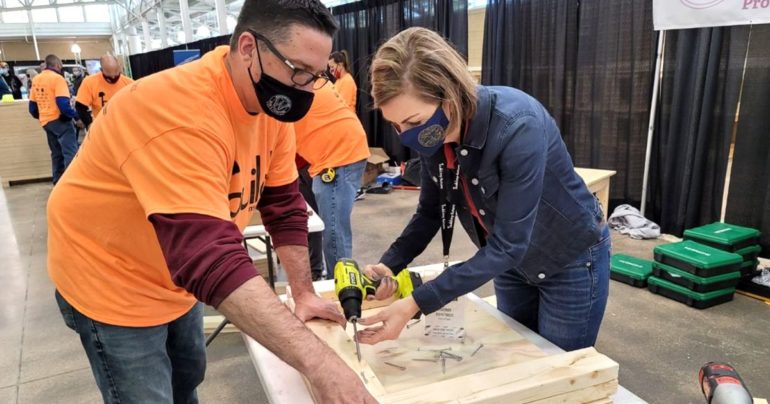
(387, 286)
(393, 319)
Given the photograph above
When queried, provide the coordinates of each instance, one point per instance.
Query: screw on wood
(451, 356)
(426, 360)
(443, 365)
(477, 349)
(395, 366)
(434, 350)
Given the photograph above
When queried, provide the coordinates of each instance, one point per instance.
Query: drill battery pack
(698, 259)
(694, 282)
(724, 236)
(689, 297)
(630, 270)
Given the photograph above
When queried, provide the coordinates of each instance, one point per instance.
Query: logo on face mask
(279, 104)
(431, 136)
(427, 138)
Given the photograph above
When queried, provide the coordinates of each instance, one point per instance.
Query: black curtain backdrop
(600, 94)
(749, 200)
(365, 25)
(699, 92)
(532, 45)
(591, 64)
(145, 64)
(613, 86)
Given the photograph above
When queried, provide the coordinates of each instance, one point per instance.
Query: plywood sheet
(507, 369)
(501, 347)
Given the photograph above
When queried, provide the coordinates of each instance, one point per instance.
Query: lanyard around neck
(449, 185)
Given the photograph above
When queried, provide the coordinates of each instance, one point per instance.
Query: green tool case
(749, 253)
(724, 236)
(687, 296)
(696, 283)
(749, 268)
(630, 270)
(698, 259)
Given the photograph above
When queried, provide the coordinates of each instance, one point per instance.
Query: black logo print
(255, 188)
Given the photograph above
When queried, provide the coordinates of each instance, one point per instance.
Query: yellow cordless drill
(352, 287)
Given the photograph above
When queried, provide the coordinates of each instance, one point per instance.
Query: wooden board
(525, 382)
(24, 152)
(507, 369)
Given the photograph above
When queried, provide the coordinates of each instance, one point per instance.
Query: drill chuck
(351, 299)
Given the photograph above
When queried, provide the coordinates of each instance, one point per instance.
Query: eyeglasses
(299, 77)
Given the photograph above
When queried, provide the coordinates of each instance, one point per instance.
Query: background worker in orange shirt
(346, 85)
(49, 102)
(332, 141)
(96, 90)
(148, 221)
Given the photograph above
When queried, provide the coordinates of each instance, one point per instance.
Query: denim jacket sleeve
(521, 168)
(421, 228)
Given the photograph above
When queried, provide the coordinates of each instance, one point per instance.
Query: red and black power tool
(721, 384)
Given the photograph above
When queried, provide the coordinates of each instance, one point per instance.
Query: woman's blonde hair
(420, 60)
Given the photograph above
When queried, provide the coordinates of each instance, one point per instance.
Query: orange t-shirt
(95, 91)
(178, 141)
(330, 135)
(348, 89)
(46, 86)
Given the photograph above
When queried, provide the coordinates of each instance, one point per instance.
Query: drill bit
(354, 320)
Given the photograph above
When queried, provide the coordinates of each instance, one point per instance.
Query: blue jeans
(63, 142)
(335, 205)
(566, 309)
(161, 364)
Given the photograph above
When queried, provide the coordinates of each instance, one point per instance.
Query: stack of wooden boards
(507, 369)
(701, 271)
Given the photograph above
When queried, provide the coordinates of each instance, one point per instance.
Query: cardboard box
(375, 165)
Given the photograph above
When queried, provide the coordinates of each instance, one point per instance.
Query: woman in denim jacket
(495, 157)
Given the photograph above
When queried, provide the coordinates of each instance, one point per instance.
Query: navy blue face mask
(427, 138)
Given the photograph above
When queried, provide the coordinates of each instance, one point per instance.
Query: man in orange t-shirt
(332, 150)
(148, 220)
(49, 102)
(97, 89)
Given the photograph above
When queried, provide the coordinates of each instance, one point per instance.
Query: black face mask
(280, 101)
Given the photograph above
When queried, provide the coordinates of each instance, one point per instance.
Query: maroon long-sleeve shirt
(205, 255)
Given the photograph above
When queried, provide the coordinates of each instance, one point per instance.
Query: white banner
(681, 14)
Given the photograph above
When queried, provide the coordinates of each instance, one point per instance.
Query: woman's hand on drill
(387, 285)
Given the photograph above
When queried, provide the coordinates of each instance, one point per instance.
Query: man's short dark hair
(272, 18)
(52, 61)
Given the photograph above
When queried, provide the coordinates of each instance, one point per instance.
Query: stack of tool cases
(630, 270)
(740, 240)
(743, 241)
(695, 274)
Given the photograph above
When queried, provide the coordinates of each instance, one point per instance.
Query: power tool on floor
(352, 287)
(721, 384)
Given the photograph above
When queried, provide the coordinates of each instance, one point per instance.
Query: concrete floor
(660, 344)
